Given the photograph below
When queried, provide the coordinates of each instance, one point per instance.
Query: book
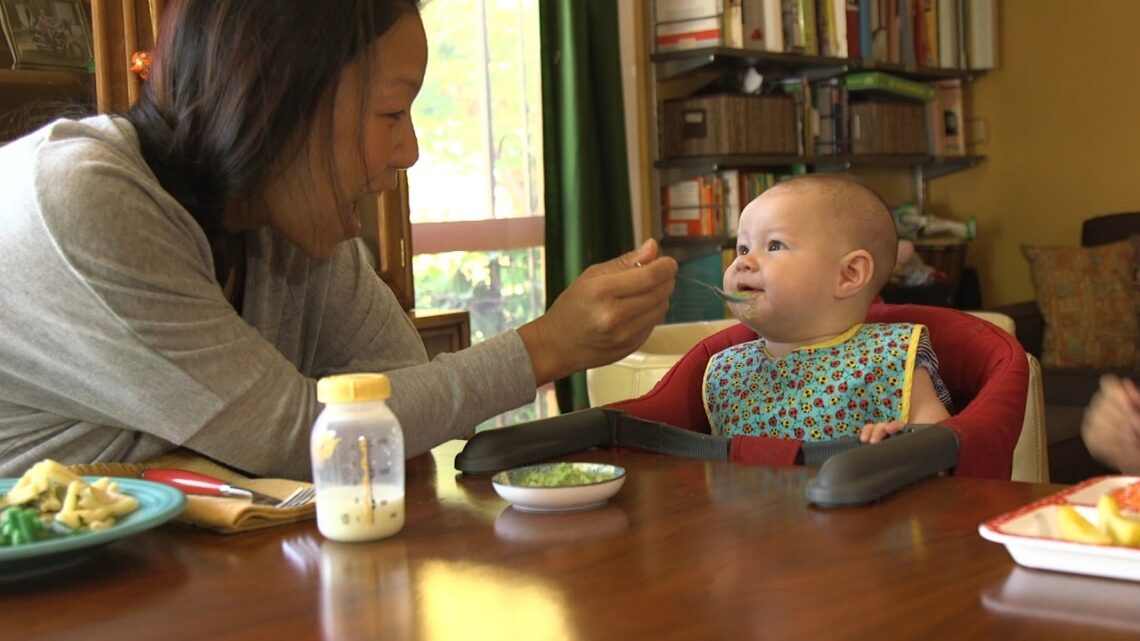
(877, 26)
(690, 34)
(891, 20)
(935, 135)
(734, 24)
(800, 27)
(950, 116)
(826, 28)
(842, 49)
(884, 82)
(763, 25)
(689, 208)
(930, 32)
(948, 34)
(906, 34)
(666, 11)
(982, 41)
(688, 24)
(831, 105)
(854, 30)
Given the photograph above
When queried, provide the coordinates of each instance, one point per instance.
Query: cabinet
(680, 74)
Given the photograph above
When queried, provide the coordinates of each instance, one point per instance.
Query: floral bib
(817, 392)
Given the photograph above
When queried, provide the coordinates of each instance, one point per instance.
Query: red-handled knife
(195, 483)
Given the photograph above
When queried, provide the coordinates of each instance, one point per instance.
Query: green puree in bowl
(560, 474)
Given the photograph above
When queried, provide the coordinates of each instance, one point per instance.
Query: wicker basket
(724, 124)
(888, 128)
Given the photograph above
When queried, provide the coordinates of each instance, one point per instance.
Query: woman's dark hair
(233, 82)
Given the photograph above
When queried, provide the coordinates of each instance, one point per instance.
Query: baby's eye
(742, 250)
(776, 245)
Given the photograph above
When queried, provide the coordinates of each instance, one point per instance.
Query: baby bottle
(357, 449)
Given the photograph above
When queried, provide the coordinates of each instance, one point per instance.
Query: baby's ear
(856, 270)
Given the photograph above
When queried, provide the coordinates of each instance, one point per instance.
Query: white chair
(637, 373)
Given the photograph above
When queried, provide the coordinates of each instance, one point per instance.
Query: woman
(179, 276)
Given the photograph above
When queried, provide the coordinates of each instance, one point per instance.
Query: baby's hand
(875, 432)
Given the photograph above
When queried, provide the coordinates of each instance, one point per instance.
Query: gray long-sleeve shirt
(117, 344)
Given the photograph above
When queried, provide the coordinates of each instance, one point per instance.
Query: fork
(195, 483)
(731, 297)
(298, 498)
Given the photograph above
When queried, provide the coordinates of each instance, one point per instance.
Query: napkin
(220, 514)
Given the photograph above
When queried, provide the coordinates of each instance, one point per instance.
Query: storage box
(888, 127)
(723, 124)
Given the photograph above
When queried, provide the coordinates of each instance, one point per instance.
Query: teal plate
(157, 504)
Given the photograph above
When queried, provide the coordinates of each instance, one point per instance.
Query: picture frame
(47, 34)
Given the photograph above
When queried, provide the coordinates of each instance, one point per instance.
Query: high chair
(995, 385)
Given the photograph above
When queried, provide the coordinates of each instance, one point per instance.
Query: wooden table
(687, 550)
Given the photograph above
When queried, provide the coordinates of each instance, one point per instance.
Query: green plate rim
(158, 504)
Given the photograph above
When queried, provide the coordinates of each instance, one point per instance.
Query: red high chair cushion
(983, 366)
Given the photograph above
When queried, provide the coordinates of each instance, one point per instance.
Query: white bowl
(520, 486)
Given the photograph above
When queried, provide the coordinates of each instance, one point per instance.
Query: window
(476, 195)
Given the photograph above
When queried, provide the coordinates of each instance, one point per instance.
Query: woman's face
(312, 199)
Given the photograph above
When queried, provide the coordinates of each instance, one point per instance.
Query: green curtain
(586, 176)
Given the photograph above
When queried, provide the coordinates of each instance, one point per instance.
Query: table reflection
(365, 589)
(560, 527)
(462, 600)
(1067, 598)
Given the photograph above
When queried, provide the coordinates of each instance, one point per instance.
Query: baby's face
(787, 261)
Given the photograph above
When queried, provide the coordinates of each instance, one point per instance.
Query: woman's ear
(856, 270)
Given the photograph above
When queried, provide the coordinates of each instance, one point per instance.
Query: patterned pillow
(1088, 298)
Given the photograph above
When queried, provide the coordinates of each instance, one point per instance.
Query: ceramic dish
(559, 487)
(157, 504)
(1032, 535)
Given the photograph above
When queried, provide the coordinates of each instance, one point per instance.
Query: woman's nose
(406, 147)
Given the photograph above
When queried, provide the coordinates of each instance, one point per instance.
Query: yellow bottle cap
(353, 388)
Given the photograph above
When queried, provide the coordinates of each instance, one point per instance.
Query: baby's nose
(744, 263)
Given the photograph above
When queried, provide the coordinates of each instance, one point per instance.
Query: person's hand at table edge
(605, 314)
(1111, 425)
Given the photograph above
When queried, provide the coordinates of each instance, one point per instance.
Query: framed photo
(47, 34)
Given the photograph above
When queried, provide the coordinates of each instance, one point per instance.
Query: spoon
(730, 297)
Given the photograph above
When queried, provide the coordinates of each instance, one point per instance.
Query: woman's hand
(605, 314)
(1111, 427)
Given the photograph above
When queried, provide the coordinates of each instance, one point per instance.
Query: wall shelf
(675, 169)
(673, 63)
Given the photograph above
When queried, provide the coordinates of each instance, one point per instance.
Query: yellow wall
(1063, 119)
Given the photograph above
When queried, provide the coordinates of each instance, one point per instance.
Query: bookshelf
(680, 74)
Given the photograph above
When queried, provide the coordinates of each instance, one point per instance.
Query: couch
(1067, 390)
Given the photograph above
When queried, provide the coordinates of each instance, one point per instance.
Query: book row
(710, 205)
(953, 34)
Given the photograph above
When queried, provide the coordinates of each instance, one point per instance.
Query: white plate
(560, 498)
(1032, 535)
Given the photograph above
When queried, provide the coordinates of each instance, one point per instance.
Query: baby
(812, 253)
